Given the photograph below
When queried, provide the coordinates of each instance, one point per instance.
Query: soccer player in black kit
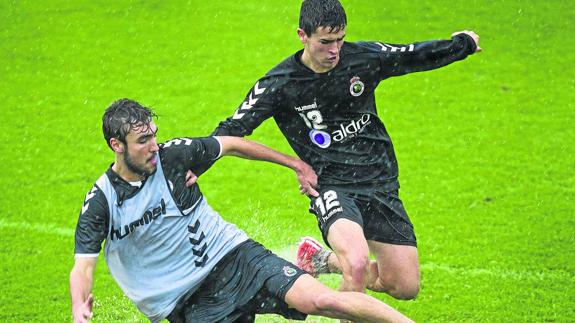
(322, 99)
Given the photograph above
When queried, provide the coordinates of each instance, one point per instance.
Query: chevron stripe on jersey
(249, 102)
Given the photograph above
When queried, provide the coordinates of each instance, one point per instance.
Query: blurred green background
(485, 146)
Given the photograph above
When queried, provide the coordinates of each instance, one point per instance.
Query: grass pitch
(485, 146)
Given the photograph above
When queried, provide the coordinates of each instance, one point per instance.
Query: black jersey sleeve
(92, 226)
(190, 153)
(422, 56)
(256, 107)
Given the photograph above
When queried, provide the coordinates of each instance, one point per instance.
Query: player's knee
(403, 289)
(357, 270)
(406, 291)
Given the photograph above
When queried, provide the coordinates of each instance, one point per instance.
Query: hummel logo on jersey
(249, 103)
(306, 107)
(392, 49)
(147, 218)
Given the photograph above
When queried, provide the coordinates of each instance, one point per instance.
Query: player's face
(322, 48)
(140, 153)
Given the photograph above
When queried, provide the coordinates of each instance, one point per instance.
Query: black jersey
(176, 156)
(330, 119)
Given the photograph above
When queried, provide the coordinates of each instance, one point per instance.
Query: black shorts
(381, 214)
(247, 281)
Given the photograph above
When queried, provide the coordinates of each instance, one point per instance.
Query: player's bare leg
(312, 297)
(348, 242)
(396, 271)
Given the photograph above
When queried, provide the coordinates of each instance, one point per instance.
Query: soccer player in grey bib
(172, 254)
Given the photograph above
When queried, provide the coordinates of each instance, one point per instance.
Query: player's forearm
(251, 150)
(81, 283)
(307, 178)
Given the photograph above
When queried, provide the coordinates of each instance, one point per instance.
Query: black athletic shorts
(381, 214)
(247, 281)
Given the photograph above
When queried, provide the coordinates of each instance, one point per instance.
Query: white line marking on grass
(36, 227)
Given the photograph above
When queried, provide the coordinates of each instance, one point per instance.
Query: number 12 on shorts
(328, 205)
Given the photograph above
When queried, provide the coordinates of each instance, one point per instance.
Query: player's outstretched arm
(471, 34)
(81, 281)
(422, 56)
(234, 146)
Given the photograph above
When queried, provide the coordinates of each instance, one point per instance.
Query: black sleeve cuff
(469, 42)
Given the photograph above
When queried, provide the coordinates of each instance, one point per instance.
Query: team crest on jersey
(289, 271)
(356, 88)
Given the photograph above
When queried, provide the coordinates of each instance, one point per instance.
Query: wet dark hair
(322, 13)
(123, 116)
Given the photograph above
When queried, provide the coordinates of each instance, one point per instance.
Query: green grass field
(485, 146)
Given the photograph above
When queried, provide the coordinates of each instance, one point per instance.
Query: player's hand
(191, 178)
(307, 179)
(83, 312)
(473, 35)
